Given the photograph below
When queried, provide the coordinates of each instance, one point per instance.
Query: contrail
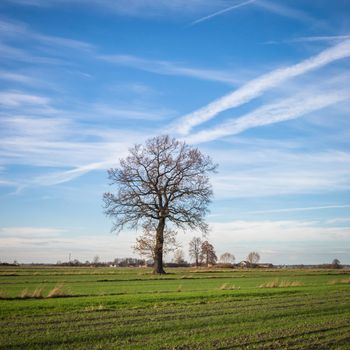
(221, 12)
(258, 86)
(284, 110)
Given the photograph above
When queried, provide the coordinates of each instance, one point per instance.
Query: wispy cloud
(16, 98)
(135, 8)
(21, 31)
(326, 38)
(65, 176)
(260, 171)
(220, 12)
(170, 68)
(284, 110)
(17, 77)
(258, 86)
(127, 113)
(320, 38)
(277, 230)
(32, 232)
(280, 9)
(290, 210)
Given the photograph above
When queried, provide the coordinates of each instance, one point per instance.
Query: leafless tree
(253, 257)
(96, 260)
(336, 264)
(146, 243)
(164, 181)
(208, 253)
(195, 249)
(179, 256)
(227, 258)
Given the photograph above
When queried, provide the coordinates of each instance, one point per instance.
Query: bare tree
(195, 249)
(208, 253)
(336, 264)
(163, 181)
(146, 243)
(179, 256)
(253, 257)
(227, 258)
(96, 260)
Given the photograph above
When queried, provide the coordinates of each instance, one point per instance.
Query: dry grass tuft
(276, 283)
(226, 286)
(99, 307)
(344, 280)
(223, 286)
(3, 295)
(333, 282)
(57, 292)
(25, 294)
(38, 293)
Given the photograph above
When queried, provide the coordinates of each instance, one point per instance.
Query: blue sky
(261, 86)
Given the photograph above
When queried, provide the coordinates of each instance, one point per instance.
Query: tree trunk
(158, 256)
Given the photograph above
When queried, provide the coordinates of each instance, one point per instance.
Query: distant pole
(69, 257)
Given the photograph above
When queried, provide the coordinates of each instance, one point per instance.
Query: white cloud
(30, 232)
(144, 8)
(280, 230)
(170, 68)
(289, 210)
(329, 38)
(284, 110)
(68, 175)
(258, 86)
(259, 172)
(37, 244)
(17, 77)
(135, 113)
(280, 9)
(21, 31)
(16, 98)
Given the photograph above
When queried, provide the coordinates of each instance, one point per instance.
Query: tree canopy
(163, 182)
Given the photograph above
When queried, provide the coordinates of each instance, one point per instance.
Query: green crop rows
(109, 308)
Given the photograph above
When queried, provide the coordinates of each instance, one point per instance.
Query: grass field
(129, 308)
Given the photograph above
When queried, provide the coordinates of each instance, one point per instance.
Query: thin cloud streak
(17, 98)
(22, 31)
(217, 13)
(284, 110)
(288, 210)
(320, 38)
(285, 11)
(258, 86)
(65, 176)
(169, 68)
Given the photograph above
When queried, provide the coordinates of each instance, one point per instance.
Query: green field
(129, 308)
